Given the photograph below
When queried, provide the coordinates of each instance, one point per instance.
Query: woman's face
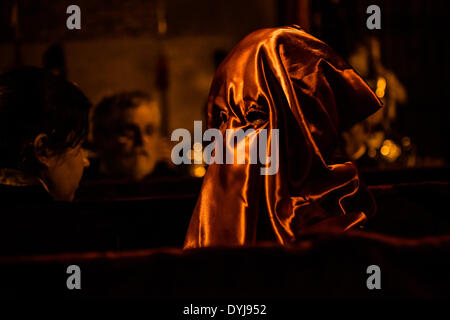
(64, 172)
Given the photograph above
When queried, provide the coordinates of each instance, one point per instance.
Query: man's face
(132, 150)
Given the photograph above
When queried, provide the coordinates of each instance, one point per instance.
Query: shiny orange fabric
(309, 94)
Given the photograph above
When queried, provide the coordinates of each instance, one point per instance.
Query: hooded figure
(285, 79)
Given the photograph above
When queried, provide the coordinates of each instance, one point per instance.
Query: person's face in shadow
(61, 172)
(133, 150)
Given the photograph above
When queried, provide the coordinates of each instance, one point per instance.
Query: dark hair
(111, 107)
(33, 101)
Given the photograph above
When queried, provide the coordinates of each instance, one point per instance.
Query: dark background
(118, 44)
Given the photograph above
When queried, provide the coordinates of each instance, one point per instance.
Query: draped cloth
(285, 79)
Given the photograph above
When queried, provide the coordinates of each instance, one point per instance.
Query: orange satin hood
(287, 80)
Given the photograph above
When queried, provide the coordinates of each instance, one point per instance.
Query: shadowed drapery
(285, 79)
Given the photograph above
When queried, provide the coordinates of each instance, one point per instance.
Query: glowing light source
(198, 171)
(406, 142)
(390, 150)
(197, 146)
(385, 150)
(196, 153)
(198, 156)
(381, 87)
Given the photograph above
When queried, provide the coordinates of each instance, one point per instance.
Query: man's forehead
(145, 112)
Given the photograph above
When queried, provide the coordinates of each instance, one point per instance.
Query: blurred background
(172, 47)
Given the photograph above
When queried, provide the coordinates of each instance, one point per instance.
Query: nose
(86, 162)
(138, 138)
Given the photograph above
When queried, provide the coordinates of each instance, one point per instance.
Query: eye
(219, 116)
(128, 133)
(149, 130)
(256, 117)
(223, 116)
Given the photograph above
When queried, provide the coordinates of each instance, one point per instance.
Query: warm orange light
(199, 171)
(406, 141)
(381, 87)
(385, 150)
(390, 150)
(197, 147)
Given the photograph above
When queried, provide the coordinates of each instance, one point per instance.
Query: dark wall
(414, 42)
(45, 20)
(413, 38)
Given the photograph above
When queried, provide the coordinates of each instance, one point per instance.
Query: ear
(41, 151)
